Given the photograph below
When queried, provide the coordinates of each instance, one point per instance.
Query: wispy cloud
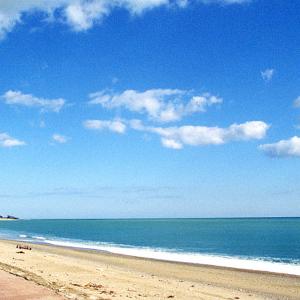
(283, 148)
(61, 139)
(297, 102)
(18, 98)
(115, 125)
(6, 141)
(164, 105)
(267, 74)
(82, 15)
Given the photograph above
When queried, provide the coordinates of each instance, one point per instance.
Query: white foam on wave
(23, 236)
(194, 258)
(39, 238)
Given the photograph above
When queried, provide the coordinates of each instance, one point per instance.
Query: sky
(149, 108)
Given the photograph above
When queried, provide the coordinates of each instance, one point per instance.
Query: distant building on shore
(9, 217)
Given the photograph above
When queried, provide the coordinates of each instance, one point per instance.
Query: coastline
(90, 274)
(238, 263)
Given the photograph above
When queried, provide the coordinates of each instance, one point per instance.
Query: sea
(263, 244)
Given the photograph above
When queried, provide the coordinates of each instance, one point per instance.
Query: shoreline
(106, 252)
(88, 273)
(222, 261)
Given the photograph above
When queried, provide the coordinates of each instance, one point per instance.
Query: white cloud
(283, 148)
(200, 103)
(170, 143)
(115, 126)
(58, 138)
(12, 11)
(139, 6)
(81, 15)
(18, 98)
(6, 141)
(267, 74)
(177, 137)
(164, 105)
(137, 124)
(182, 3)
(297, 102)
(225, 2)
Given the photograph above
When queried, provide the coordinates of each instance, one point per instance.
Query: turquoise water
(274, 240)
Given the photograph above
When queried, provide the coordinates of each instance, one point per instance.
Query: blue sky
(150, 108)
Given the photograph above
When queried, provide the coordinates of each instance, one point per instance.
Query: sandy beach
(17, 288)
(82, 274)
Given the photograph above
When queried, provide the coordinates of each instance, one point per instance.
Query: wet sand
(85, 274)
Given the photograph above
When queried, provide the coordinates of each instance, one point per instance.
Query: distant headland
(9, 218)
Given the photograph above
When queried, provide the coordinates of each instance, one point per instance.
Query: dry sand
(17, 288)
(82, 274)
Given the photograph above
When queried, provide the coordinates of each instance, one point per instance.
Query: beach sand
(17, 288)
(83, 274)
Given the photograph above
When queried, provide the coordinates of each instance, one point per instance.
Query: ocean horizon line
(166, 218)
